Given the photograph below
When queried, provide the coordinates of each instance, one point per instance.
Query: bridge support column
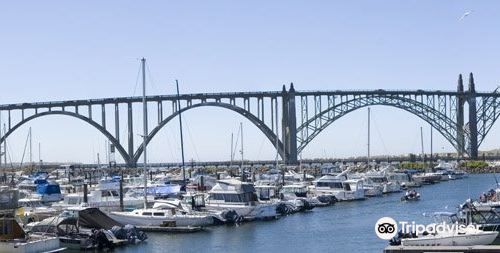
(460, 117)
(131, 162)
(289, 126)
(471, 100)
(117, 122)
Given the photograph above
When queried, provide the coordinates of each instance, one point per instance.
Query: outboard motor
(231, 216)
(100, 239)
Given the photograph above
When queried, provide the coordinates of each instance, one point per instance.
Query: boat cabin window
(379, 179)
(146, 214)
(110, 194)
(158, 214)
(242, 197)
(73, 200)
(485, 218)
(330, 184)
(347, 187)
(6, 227)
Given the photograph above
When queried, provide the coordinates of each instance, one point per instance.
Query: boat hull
(40, 245)
(257, 212)
(180, 220)
(484, 238)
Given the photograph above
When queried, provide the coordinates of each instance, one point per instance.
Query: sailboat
(158, 215)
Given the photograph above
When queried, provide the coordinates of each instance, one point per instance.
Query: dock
(436, 249)
(169, 229)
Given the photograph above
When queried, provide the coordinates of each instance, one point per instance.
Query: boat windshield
(485, 218)
(337, 185)
(378, 179)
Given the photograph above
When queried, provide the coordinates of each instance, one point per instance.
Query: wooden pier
(436, 249)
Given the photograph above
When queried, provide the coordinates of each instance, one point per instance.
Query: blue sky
(62, 50)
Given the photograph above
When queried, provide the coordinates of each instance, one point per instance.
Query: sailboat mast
(241, 131)
(31, 153)
(431, 146)
(232, 148)
(180, 127)
(368, 154)
(40, 154)
(422, 144)
(5, 146)
(145, 129)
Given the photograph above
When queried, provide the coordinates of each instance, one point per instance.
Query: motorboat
(340, 187)
(34, 210)
(411, 196)
(232, 194)
(85, 229)
(300, 192)
(381, 180)
(403, 179)
(468, 237)
(162, 214)
(49, 192)
(427, 178)
(13, 238)
(372, 190)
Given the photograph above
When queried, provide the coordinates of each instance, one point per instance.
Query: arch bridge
(289, 119)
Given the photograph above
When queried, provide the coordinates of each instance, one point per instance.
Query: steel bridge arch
(101, 129)
(423, 111)
(255, 120)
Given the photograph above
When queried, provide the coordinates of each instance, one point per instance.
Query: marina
(227, 211)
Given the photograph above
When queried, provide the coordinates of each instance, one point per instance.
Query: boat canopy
(56, 225)
(94, 218)
(48, 189)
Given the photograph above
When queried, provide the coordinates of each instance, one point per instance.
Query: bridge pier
(460, 117)
(289, 126)
(471, 100)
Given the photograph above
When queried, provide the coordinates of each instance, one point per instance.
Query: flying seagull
(467, 13)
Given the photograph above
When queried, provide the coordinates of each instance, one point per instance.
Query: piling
(85, 199)
(202, 183)
(121, 193)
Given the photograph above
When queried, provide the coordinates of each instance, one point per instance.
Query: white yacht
(232, 194)
(161, 213)
(469, 237)
(402, 179)
(340, 187)
(381, 180)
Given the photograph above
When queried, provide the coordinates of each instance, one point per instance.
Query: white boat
(373, 190)
(339, 186)
(403, 179)
(34, 210)
(108, 200)
(426, 178)
(13, 239)
(381, 180)
(161, 213)
(232, 194)
(469, 237)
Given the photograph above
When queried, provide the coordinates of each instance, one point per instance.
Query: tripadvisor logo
(386, 228)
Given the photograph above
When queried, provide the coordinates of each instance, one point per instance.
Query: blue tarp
(48, 189)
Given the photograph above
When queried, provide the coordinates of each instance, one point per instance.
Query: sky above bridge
(61, 50)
